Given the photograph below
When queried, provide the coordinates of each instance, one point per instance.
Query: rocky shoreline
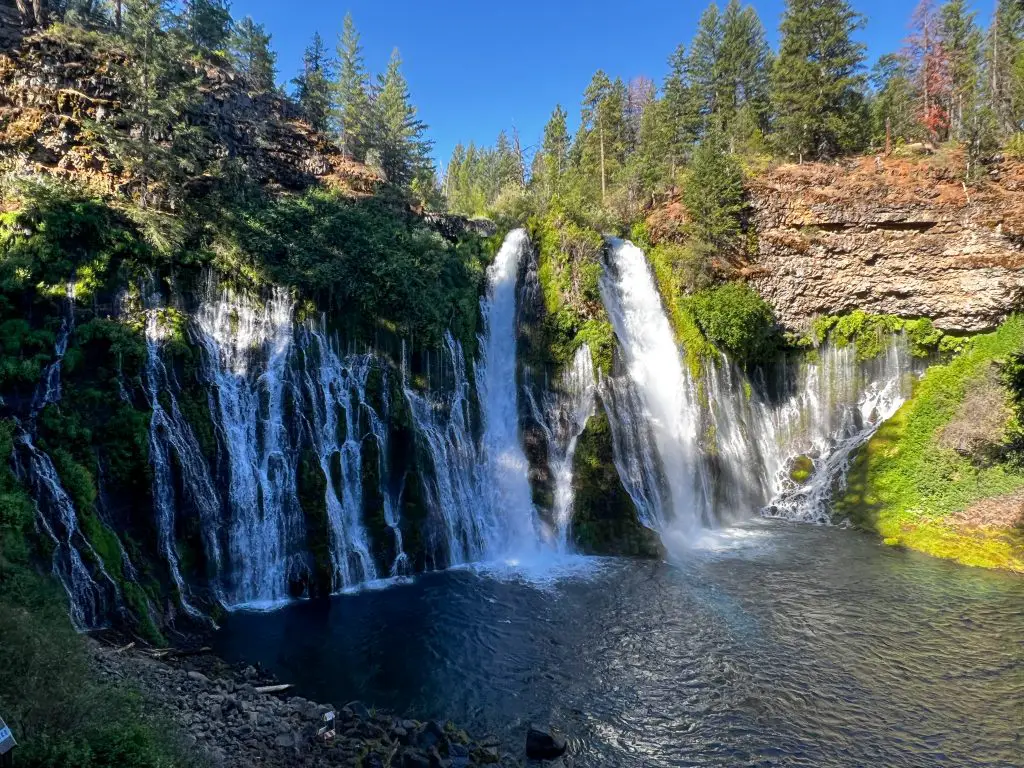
(226, 721)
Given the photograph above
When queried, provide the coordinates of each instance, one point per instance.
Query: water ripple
(783, 646)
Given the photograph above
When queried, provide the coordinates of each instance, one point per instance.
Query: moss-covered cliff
(944, 475)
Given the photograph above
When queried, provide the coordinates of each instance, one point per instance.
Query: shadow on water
(773, 644)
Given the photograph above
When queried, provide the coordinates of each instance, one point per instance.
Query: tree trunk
(601, 135)
(28, 16)
(40, 11)
(117, 15)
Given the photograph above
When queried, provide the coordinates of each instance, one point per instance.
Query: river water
(772, 644)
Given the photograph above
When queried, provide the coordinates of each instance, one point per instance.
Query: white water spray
(247, 349)
(512, 527)
(658, 404)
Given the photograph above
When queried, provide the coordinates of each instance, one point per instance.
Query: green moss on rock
(800, 469)
(604, 517)
(312, 492)
(911, 490)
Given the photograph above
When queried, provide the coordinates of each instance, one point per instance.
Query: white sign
(7, 742)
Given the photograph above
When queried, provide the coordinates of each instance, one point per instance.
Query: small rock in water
(543, 744)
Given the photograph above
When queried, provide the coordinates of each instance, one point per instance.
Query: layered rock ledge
(890, 236)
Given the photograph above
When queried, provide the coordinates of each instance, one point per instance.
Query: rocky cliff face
(59, 93)
(890, 236)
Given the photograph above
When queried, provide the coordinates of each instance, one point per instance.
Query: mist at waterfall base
(786, 644)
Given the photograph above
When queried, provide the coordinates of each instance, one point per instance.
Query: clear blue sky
(477, 67)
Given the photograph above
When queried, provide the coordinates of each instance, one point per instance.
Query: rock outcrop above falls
(61, 92)
(890, 236)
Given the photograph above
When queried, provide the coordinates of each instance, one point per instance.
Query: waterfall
(90, 589)
(77, 566)
(172, 438)
(512, 526)
(836, 404)
(336, 390)
(657, 409)
(478, 491)
(247, 348)
(452, 483)
(392, 501)
(692, 462)
(48, 389)
(563, 418)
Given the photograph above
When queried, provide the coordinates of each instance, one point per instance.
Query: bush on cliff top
(569, 271)
(735, 318)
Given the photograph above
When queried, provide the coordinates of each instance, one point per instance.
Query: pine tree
(399, 137)
(713, 193)
(208, 23)
(159, 92)
(313, 85)
(84, 13)
(600, 143)
(352, 94)
(652, 165)
(744, 59)
(252, 55)
(704, 65)
(552, 162)
(682, 110)
(893, 117)
(508, 168)
(817, 85)
(962, 41)
(1006, 65)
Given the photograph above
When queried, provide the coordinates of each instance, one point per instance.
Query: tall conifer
(817, 84)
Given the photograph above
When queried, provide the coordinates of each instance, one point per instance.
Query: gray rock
(199, 677)
(412, 758)
(542, 744)
(358, 709)
(285, 740)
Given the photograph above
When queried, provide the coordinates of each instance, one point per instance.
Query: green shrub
(569, 272)
(1015, 146)
(713, 193)
(61, 714)
(735, 318)
(364, 259)
(870, 334)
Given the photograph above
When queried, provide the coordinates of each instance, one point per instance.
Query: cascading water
(656, 411)
(90, 589)
(478, 493)
(512, 526)
(91, 592)
(563, 418)
(835, 406)
(453, 481)
(391, 500)
(247, 350)
(172, 442)
(718, 458)
(336, 391)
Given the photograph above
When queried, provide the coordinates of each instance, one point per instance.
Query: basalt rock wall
(890, 236)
